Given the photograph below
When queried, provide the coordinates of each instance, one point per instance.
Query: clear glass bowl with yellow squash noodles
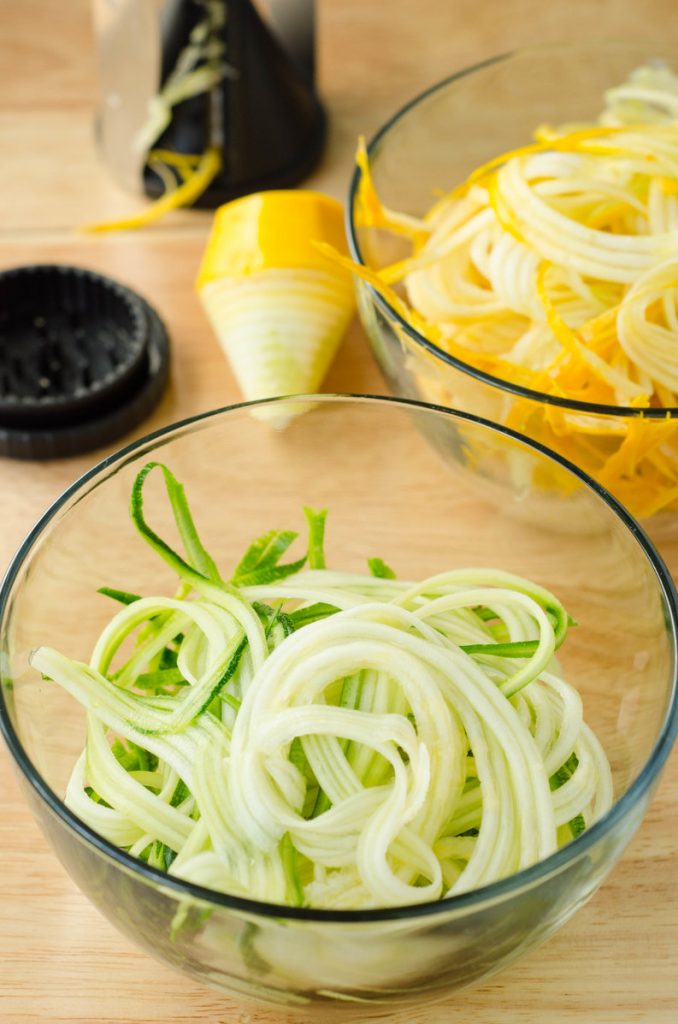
(542, 290)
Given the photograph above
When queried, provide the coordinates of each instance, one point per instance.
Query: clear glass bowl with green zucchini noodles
(330, 716)
(515, 229)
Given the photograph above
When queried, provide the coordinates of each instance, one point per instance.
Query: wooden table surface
(617, 960)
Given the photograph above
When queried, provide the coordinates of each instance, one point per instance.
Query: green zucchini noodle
(321, 738)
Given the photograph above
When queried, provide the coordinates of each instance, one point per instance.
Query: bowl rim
(518, 390)
(475, 898)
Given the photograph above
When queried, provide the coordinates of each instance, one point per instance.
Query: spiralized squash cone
(277, 304)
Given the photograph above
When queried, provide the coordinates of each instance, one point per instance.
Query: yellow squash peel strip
(197, 179)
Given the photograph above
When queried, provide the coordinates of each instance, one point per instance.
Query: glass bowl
(432, 145)
(425, 489)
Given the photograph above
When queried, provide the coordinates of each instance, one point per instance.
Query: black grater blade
(265, 112)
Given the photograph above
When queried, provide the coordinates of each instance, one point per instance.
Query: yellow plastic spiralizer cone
(278, 306)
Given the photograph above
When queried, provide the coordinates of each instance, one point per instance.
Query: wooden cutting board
(616, 962)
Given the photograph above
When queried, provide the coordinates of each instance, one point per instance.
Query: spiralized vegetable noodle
(307, 736)
(555, 267)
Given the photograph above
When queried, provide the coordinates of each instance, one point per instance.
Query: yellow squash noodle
(555, 267)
